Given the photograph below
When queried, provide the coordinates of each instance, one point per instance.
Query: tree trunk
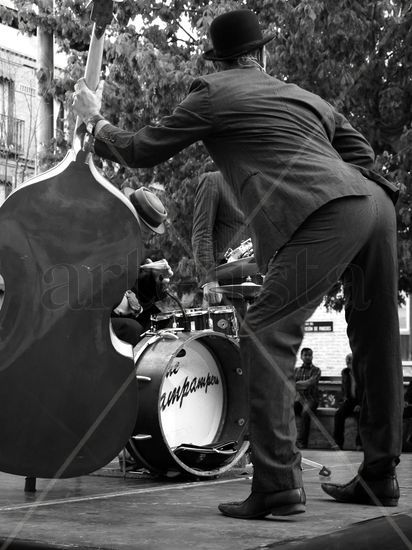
(45, 74)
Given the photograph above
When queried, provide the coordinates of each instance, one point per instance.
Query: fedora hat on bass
(149, 208)
(235, 33)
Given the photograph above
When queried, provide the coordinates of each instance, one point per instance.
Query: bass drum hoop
(148, 444)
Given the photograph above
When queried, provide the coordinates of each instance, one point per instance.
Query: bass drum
(192, 397)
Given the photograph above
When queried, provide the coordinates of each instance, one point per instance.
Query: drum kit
(192, 392)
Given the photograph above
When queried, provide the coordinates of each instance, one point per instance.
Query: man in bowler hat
(318, 213)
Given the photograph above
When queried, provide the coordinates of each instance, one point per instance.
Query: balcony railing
(11, 135)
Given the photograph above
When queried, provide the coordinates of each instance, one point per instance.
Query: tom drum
(223, 319)
(161, 321)
(192, 319)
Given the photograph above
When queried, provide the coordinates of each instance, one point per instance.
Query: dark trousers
(353, 238)
(127, 329)
(343, 412)
(305, 410)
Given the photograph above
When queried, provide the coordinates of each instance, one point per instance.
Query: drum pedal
(209, 456)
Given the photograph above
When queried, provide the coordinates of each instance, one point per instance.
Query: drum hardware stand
(182, 309)
(324, 471)
(137, 454)
(123, 462)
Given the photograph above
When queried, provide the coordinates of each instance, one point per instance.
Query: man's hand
(211, 296)
(161, 270)
(129, 305)
(87, 103)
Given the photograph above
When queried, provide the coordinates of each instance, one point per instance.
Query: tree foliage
(355, 54)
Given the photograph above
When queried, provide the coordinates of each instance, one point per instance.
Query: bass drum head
(192, 397)
(193, 405)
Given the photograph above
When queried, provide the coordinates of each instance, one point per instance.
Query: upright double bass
(70, 245)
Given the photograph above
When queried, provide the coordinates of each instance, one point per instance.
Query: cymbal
(247, 290)
(238, 269)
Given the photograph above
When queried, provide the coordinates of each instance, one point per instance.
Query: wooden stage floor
(140, 512)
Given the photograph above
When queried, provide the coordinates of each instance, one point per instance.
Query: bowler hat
(149, 207)
(235, 33)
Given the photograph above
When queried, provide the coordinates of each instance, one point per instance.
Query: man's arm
(355, 149)
(311, 381)
(190, 122)
(351, 144)
(204, 218)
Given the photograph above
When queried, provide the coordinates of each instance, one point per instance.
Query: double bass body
(69, 247)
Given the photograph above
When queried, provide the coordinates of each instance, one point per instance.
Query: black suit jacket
(218, 224)
(285, 151)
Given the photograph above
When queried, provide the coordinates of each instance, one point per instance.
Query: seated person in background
(349, 407)
(407, 413)
(131, 318)
(307, 395)
(218, 224)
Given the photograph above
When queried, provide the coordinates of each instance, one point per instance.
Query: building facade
(325, 333)
(18, 113)
(19, 102)
(18, 109)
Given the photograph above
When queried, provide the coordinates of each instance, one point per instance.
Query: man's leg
(373, 329)
(126, 329)
(358, 440)
(339, 426)
(297, 408)
(297, 279)
(308, 411)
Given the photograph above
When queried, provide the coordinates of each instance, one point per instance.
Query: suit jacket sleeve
(356, 150)
(190, 121)
(204, 218)
(350, 144)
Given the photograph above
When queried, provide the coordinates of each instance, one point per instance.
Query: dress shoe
(259, 505)
(378, 492)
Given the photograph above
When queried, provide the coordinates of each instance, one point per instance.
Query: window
(11, 128)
